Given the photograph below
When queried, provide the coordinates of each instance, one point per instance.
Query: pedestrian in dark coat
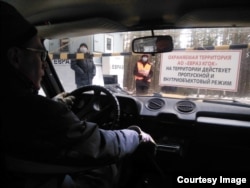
(43, 143)
(85, 69)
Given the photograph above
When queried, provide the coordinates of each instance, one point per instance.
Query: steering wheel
(96, 104)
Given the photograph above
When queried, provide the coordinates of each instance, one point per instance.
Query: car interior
(199, 130)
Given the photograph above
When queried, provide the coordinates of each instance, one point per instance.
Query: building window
(64, 45)
(108, 43)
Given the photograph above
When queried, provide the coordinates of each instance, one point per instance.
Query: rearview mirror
(152, 44)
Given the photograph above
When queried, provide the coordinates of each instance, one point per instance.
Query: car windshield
(206, 63)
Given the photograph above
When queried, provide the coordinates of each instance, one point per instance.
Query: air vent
(185, 106)
(155, 104)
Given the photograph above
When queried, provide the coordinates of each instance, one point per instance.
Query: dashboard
(192, 130)
(190, 134)
(199, 111)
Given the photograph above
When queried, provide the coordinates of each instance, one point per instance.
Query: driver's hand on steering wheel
(64, 98)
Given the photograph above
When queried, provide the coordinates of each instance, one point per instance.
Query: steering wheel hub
(96, 104)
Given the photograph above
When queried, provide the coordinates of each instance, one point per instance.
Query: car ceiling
(67, 18)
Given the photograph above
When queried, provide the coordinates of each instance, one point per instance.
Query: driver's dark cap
(15, 29)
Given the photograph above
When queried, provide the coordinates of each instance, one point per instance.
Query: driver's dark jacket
(36, 128)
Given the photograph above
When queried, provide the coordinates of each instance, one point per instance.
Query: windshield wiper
(220, 101)
(226, 101)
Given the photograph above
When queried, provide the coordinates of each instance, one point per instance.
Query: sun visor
(80, 28)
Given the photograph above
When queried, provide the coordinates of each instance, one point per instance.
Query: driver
(38, 130)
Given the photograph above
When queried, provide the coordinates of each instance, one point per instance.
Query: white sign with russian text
(215, 70)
